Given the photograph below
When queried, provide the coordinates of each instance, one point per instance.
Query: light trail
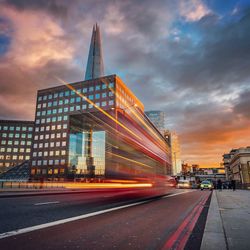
(125, 158)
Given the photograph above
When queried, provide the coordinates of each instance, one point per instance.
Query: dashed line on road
(46, 203)
(84, 216)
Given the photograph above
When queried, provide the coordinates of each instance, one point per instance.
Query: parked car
(207, 185)
(184, 184)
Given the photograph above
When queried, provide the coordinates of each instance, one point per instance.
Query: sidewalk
(228, 221)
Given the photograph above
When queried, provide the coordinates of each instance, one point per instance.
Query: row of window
(72, 92)
(52, 127)
(16, 135)
(15, 150)
(73, 100)
(50, 144)
(47, 171)
(18, 128)
(73, 108)
(14, 157)
(49, 153)
(11, 142)
(52, 119)
(49, 136)
(48, 162)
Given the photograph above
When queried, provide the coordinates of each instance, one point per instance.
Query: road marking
(46, 203)
(84, 216)
(184, 192)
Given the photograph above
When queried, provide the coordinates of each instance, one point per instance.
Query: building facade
(237, 165)
(175, 151)
(15, 142)
(157, 118)
(91, 129)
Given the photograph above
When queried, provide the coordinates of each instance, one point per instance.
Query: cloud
(242, 105)
(193, 10)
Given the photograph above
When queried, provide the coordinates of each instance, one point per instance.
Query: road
(99, 220)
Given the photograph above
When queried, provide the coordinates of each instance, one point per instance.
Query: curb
(214, 235)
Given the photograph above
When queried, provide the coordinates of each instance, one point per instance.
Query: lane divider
(71, 219)
(46, 203)
(179, 238)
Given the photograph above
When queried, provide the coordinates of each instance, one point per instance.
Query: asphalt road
(149, 225)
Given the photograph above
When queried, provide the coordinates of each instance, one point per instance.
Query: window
(104, 95)
(59, 118)
(72, 92)
(91, 97)
(84, 90)
(97, 96)
(65, 126)
(111, 93)
(11, 128)
(61, 94)
(66, 93)
(65, 118)
(60, 102)
(54, 103)
(50, 96)
(111, 84)
(72, 100)
(84, 106)
(72, 108)
(78, 107)
(59, 126)
(104, 104)
(63, 143)
(64, 134)
(104, 86)
(66, 109)
(55, 95)
(78, 99)
(98, 87)
(49, 104)
(91, 89)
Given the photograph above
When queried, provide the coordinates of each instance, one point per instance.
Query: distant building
(15, 142)
(237, 165)
(157, 118)
(175, 151)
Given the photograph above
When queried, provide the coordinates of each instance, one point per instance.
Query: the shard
(95, 67)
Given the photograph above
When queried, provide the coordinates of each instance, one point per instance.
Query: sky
(189, 58)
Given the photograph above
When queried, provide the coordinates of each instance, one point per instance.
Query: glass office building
(15, 142)
(94, 128)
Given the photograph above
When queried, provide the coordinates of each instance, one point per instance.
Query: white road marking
(46, 203)
(184, 192)
(84, 216)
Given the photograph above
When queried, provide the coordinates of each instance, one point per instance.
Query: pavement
(228, 221)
